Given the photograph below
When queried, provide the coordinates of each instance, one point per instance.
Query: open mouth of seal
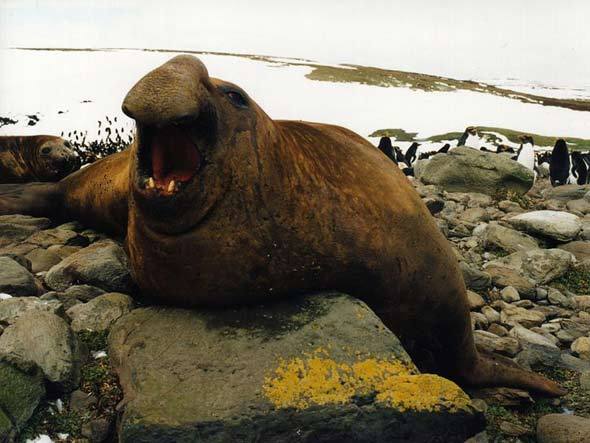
(168, 159)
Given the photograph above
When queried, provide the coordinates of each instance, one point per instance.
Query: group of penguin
(561, 167)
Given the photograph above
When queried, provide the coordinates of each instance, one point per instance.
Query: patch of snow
(99, 354)
(59, 405)
(542, 89)
(88, 86)
(5, 296)
(40, 439)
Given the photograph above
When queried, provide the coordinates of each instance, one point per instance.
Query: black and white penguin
(542, 161)
(411, 154)
(526, 152)
(470, 138)
(579, 168)
(559, 167)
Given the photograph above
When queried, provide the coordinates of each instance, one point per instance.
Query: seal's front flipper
(36, 199)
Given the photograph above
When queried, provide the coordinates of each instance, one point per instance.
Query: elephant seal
(36, 158)
(226, 206)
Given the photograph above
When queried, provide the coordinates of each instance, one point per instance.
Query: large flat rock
(318, 368)
(557, 225)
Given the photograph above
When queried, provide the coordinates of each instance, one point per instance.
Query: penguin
(386, 147)
(399, 156)
(411, 153)
(542, 164)
(559, 166)
(579, 168)
(427, 155)
(504, 148)
(586, 158)
(470, 138)
(526, 153)
(444, 149)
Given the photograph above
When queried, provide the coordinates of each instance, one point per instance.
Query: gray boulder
(42, 259)
(102, 264)
(557, 225)
(99, 313)
(496, 236)
(52, 237)
(11, 233)
(16, 228)
(503, 276)
(566, 192)
(474, 278)
(529, 338)
(563, 428)
(26, 220)
(21, 390)
(515, 316)
(581, 206)
(580, 249)
(318, 368)
(46, 340)
(540, 265)
(83, 293)
(15, 279)
(465, 169)
(488, 342)
(12, 308)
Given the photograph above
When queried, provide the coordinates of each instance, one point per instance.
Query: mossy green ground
(576, 280)
(369, 75)
(505, 194)
(577, 400)
(97, 379)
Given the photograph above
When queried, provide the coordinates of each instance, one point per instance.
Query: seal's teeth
(150, 183)
(171, 186)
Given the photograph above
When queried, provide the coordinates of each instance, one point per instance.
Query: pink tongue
(174, 157)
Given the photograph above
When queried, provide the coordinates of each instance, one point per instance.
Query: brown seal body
(226, 206)
(35, 158)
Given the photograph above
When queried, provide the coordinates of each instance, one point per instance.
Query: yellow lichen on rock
(319, 380)
(422, 392)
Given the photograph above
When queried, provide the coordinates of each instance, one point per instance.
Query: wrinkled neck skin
(228, 220)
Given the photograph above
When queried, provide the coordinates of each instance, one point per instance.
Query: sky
(537, 40)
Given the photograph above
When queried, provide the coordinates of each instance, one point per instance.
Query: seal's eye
(237, 99)
(45, 150)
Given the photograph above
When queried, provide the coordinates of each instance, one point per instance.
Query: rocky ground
(525, 260)
(73, 340)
